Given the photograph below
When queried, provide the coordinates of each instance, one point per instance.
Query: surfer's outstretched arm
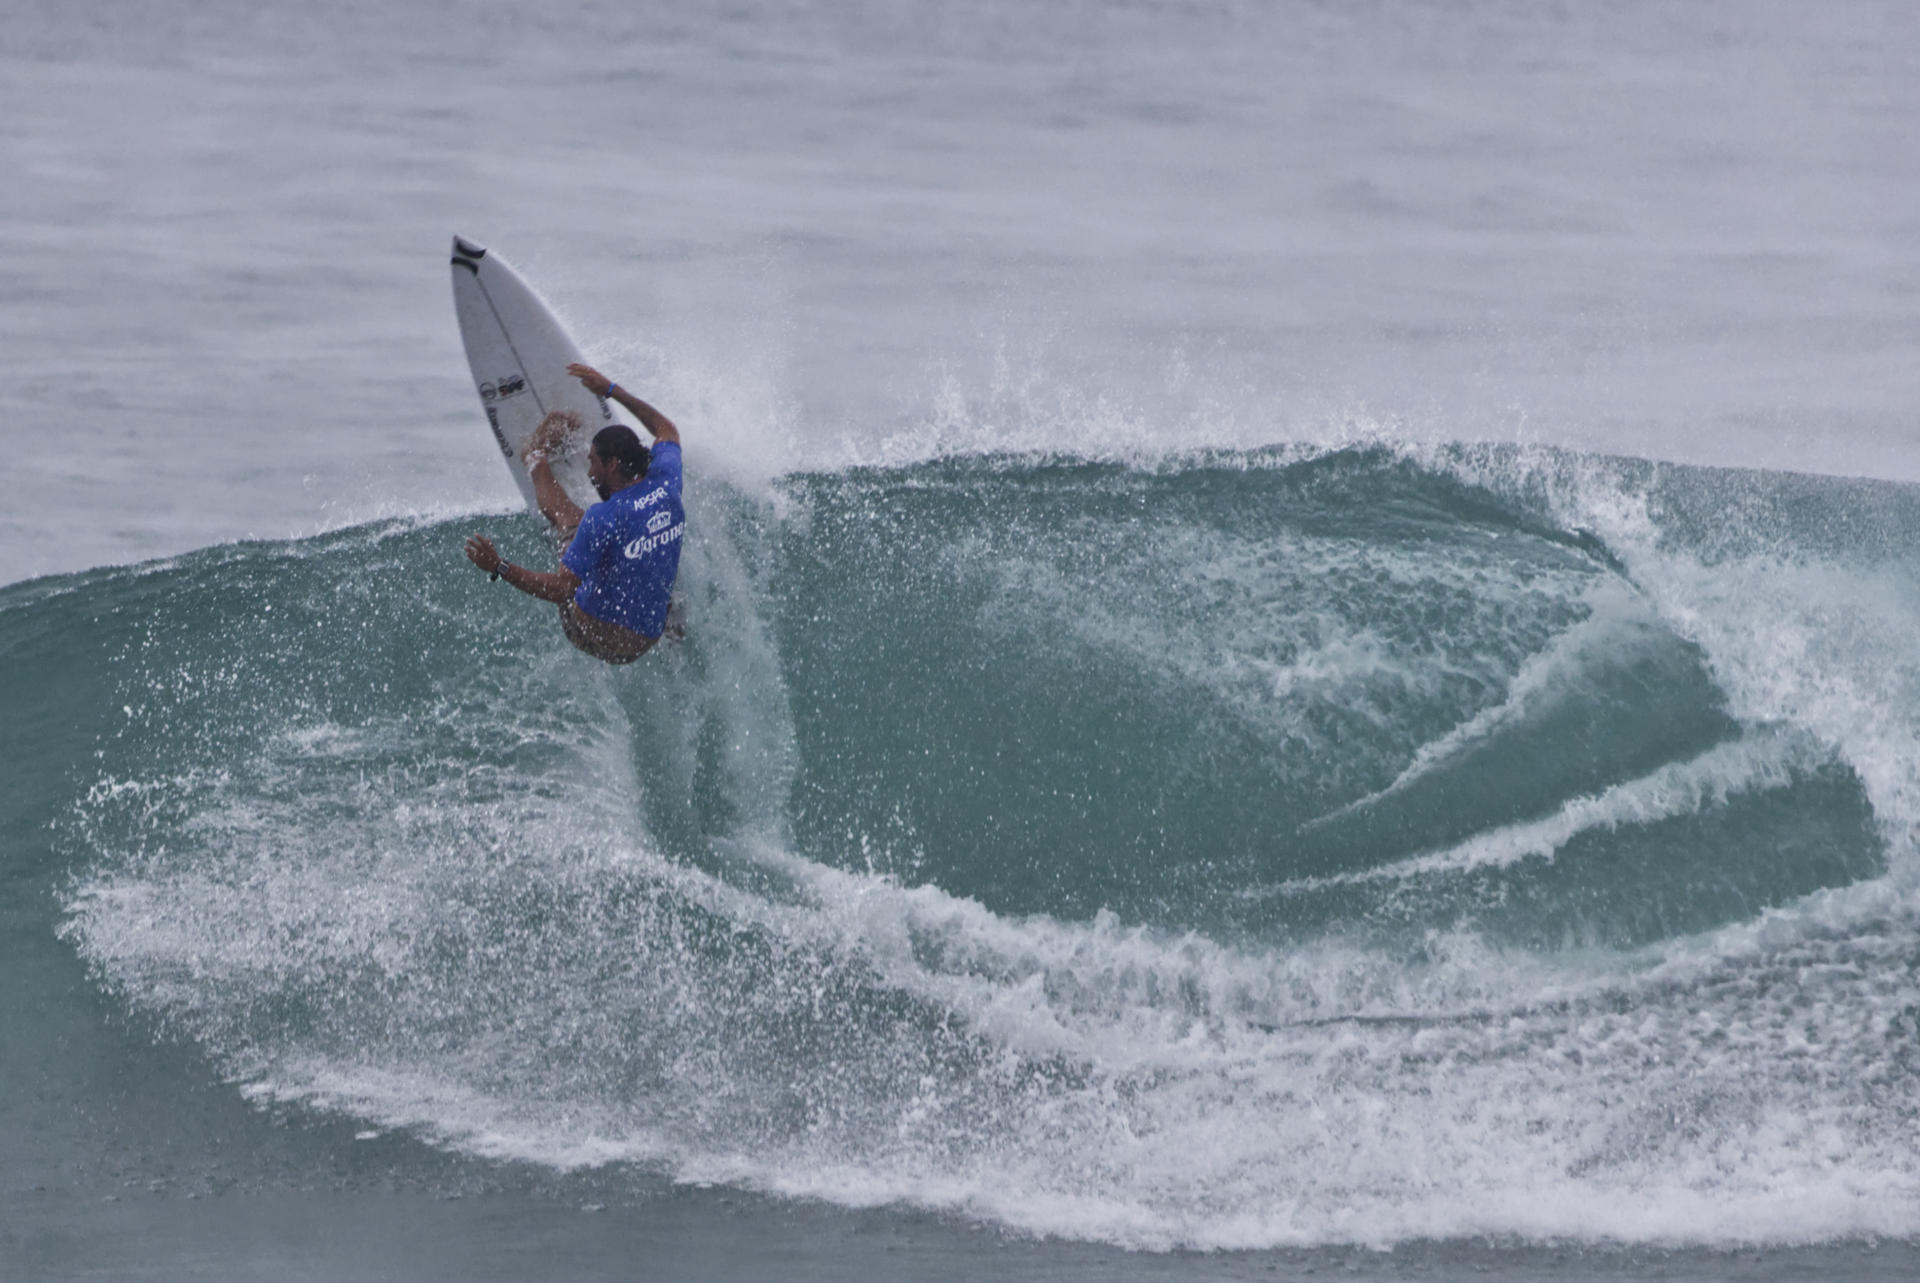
(600, 385)
(557, 586)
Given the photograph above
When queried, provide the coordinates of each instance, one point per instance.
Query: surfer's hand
(551, 433)
(481, 552)
(591, 379)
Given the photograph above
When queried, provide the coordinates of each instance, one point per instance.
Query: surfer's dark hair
(621, 444)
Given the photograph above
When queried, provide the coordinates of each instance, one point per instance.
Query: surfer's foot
(550, 436)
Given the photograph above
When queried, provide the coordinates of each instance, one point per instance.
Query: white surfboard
(519, 353)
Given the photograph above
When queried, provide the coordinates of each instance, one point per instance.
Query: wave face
(1251, 849)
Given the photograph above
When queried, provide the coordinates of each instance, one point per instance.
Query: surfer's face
(602, 473)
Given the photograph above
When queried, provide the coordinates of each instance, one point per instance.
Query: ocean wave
(1339, 846)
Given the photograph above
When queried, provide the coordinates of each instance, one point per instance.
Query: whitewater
(1299, 646)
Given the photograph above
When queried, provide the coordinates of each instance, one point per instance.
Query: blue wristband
(611, 385)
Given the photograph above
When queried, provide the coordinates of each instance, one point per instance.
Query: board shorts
(600, 639)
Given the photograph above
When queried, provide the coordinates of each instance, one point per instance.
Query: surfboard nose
(467, 249)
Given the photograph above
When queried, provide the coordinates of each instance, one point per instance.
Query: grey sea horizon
(849, 233)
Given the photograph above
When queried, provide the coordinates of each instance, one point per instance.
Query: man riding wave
(615, 581)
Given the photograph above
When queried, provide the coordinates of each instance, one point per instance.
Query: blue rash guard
(627, 549)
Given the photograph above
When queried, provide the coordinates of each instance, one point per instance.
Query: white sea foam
(1204, 1095)
(1762, 760)
(1790, 635)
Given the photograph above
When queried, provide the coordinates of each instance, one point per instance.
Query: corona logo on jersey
(641, 547)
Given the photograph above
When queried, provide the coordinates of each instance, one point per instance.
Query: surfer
(615, 580)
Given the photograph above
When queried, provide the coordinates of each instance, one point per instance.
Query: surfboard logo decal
(513, 385)
(493, 421)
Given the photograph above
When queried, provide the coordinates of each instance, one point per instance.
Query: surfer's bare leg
(555, 504)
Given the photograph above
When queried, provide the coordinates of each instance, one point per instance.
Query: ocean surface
(1301, 645)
